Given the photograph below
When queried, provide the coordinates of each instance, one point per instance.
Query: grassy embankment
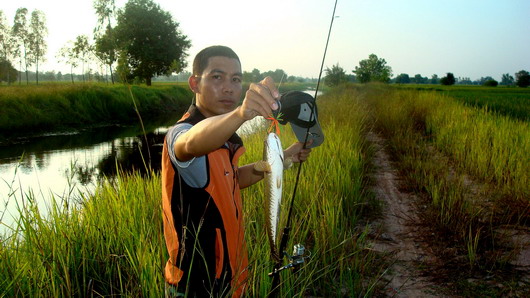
(60, 106)
(112, 243)
(472, 168)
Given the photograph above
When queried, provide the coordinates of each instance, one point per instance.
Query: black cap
(300, 109)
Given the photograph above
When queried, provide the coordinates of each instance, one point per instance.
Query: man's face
(219, 88)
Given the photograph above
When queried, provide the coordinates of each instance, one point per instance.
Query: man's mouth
(227, 102)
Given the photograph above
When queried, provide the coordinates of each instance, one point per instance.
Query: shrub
(491, 83)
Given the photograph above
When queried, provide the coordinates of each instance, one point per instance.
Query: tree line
(134, 43)
(375, 69)
(24, 43)
(141, 41)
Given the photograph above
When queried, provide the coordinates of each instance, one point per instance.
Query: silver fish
(272, 165)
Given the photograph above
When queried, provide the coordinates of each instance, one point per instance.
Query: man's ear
(193, 82)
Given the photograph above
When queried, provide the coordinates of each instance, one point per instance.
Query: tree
(67, 53)
(37, 35)
(507, 80)
(279, 75)
(105, 43)
(21, 34)
(7, 49)
(491, 83)
(82, 49)
(448, 80)
(150, 41)
(435, 79)
(373, 69)
(419, 79)
(522, 78)
(335, 76)
(7, 72)
(465, 81)
(402, 79)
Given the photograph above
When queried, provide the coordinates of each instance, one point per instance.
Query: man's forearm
(248, 176)
(207, 135)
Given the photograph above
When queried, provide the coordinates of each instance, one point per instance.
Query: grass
(329, 203)
(470, 165)
(84, 249)
(467, 164)
(509, 101)
(111, 242)
(59, 106)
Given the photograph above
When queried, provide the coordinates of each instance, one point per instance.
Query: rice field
(468, 165)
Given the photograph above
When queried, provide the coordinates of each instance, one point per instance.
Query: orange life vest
(203, 227)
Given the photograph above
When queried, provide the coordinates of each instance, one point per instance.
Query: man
(201, 178)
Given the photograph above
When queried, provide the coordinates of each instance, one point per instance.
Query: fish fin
(262, 166)
(288, 163)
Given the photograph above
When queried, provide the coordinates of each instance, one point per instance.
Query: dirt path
(397, 232)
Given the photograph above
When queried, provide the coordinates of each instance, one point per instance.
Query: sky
(470, 38)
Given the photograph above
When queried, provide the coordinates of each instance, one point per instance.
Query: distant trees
(7, 51)
(522, 79)
(278, 75)
(448, 80)
(335, 76)
(491, 83)
(106, 48)
(507, 80)
(402, 79)
(149, 40)
(67, 55)
(7, 72)
(21, 34)
(435, 79)
(37, 39)
(26, 40)
(82, 51)
(373, 69)
(253, 76)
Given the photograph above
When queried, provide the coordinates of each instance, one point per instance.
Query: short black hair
(201, 60)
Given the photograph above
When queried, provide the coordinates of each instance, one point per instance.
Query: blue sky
(469, 38)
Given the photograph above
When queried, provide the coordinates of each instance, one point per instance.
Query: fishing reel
(295, 260)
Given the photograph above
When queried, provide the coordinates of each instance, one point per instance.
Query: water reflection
(67, 165)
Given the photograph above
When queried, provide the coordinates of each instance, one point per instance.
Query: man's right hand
(260, 100)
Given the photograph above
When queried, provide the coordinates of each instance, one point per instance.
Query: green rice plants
(108, 243)
(111, 242)
(469, 164)
(329, 202)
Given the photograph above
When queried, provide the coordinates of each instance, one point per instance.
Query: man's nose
(227, 87)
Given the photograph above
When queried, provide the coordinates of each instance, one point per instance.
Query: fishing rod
(298, 254)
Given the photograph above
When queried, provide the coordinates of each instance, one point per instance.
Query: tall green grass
(108, 244)
(111, 242)
(329, 202)
(30, 108)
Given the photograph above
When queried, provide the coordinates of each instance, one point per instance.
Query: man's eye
(237, 80)
(217, 77)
